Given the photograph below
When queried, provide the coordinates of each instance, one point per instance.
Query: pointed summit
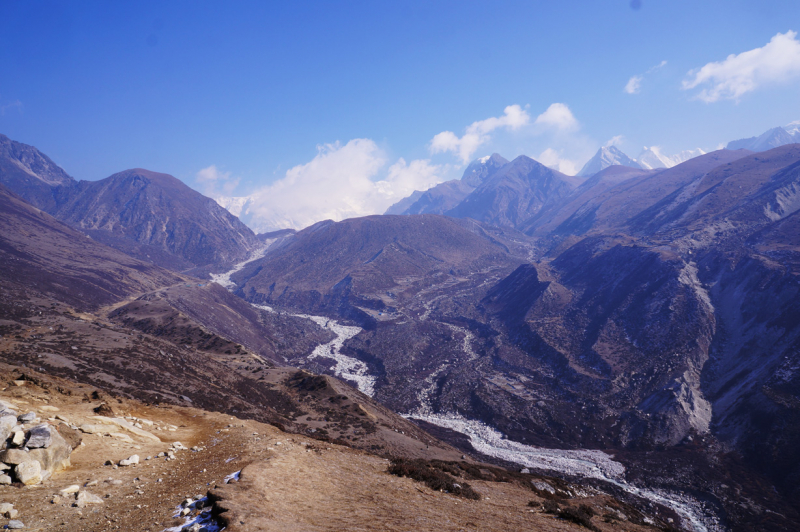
(479, 169)
(605, 157)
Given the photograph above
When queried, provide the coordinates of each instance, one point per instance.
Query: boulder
(5, 507)
(52, 458)
(27, 418)
(7, 424)
(5, 480)
(40, 437)
(84, 498)
(29, 473)
(14, 524)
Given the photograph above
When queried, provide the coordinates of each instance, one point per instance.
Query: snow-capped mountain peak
(652, 157)
(605, 157)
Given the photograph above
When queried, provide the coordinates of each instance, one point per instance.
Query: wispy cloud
(616, 140)
(778, 61)
(478, 133)
(559, 117)
(214, 182)
(554, 159)
(634, 84)
(16, 104)
(342, 181)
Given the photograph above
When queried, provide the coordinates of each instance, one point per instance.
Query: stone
(29, 473)
(14, 524)
(5, 507)
(133, 460)
(70, 489)
(27, 418)
(84, 498)
(89, 428)
(7, 424)
(122, 437)
(126, 425)
(48, 408)
(5, 480)
(18, 438)
(40, 437)
(11, 514)
(541, 485)
(4, 467)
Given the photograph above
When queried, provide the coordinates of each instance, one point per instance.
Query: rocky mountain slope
(447, 195)
(153, 217)
(515, 193)
(31, 174)
(40, 253)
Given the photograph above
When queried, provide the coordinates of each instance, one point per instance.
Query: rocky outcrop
(43, 452)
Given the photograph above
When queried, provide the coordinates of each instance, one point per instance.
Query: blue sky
(244, 92)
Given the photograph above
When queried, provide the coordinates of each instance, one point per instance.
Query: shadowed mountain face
(30, 174)
(39, 252)
(155, 216)
(358, 265)
(515, 193)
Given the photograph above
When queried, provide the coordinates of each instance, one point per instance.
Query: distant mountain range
(775, 137)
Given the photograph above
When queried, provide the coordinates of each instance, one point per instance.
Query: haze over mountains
(648, 312)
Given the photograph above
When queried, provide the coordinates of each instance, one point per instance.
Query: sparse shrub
(550, 507)
(579, 516)
(434, 478)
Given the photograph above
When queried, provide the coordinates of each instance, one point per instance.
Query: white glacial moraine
(582, 462)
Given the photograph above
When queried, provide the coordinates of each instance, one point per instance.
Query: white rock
(70, 489)
(84, 498)
(29, 473)
(133, 460)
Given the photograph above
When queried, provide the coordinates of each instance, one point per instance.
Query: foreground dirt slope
(287, 482)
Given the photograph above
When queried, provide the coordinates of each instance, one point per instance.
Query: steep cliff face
(31, 175)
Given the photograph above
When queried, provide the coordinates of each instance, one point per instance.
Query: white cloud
(514, 117)
(342, 181)
(634, 85)
(559, 117)
(552, 159)
(214, 182)
(776, 62)
(615, 141)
